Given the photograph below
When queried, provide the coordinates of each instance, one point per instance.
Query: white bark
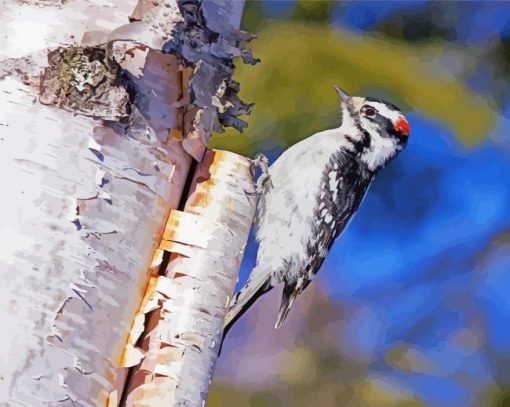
(188, 305)
(90, 177)
(83, 208)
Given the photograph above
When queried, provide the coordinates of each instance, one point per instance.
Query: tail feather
(243, 300)
(288, 296)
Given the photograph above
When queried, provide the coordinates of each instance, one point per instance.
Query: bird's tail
(243, 300)
(288, 296)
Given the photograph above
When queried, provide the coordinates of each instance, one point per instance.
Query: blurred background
(412, 306)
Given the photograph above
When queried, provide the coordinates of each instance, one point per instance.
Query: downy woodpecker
(315, 188)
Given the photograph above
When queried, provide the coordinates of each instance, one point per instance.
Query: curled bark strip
(183, 334)
(210, 54)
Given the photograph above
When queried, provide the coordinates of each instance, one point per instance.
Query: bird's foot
(261, 162)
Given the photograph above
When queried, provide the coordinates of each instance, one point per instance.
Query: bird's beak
(343, 95)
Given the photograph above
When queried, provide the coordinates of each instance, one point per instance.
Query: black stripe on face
(388, 127)
(363, 143)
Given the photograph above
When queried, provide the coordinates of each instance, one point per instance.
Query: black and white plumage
(316, 187)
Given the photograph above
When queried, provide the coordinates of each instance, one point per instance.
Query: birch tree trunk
(97, 135)
(185, 308)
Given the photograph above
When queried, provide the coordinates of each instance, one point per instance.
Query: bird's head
(381, 128)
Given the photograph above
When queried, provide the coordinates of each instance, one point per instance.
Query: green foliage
(502, 400)
(314, 11)
(293, 86)
(495, 396)
(253, 16)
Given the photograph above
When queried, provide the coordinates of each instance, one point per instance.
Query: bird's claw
(261, 182)
(262, 162)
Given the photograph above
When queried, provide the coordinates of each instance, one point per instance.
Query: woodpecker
(315, 188)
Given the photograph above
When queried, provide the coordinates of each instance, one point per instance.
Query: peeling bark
(185, 308)
(211, 55)
(83, 208)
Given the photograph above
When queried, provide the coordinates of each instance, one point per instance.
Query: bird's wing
(337, 201)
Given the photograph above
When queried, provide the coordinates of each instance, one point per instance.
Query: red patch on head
(402, 126)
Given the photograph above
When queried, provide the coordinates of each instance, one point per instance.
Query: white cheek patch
(381, 148)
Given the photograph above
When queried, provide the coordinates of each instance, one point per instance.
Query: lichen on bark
(84, 80)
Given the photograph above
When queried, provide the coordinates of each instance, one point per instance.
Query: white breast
(286, 226)
(380, 151)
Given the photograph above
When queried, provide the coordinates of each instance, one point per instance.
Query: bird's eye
(369, 111)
